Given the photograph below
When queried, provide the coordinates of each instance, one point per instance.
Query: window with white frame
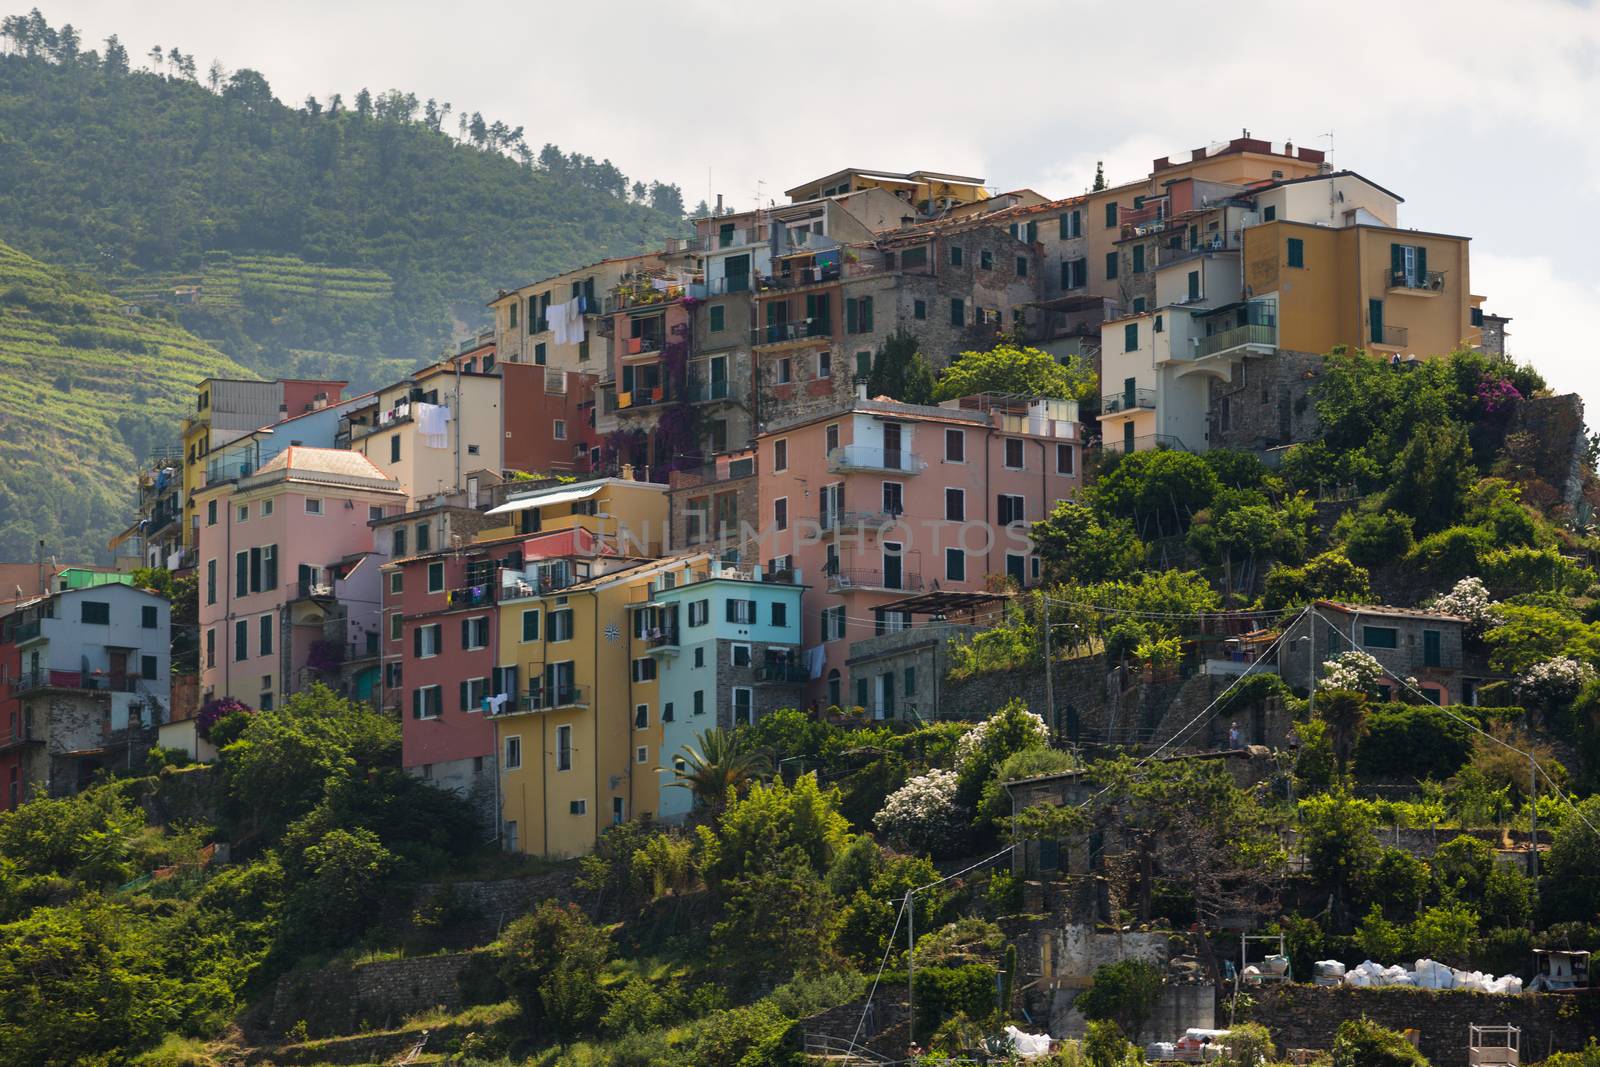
(313, 505)
(780, 513)
(560, 625)
(475, 633)
(560, 426)
(513, 756)
(564, 749)
(739, 655)
(641, 754)
(427, 702)
(955, 446)
(743, 705)
(1064, 459)
(473, 691)
(699, 612)
(436, 577)
(644, 669)
(427, 640)
(1013, 453)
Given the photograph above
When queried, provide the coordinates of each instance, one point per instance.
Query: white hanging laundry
(815, 658)
(433, 421)
(575, 322)
(556, 314)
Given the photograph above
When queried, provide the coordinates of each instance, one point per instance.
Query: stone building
(1408, 642)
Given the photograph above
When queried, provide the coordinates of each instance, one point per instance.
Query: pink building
(275, 552)
(882, 500)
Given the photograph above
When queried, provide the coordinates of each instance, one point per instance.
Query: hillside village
(1166, 608)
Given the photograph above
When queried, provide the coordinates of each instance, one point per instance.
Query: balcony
(734, 283)
(471, 596)
(905, 582)
(30, 681)
(783, 673)
(1418, 282)
(1396, 337)
(834, 522)
(1127, 400)
(542, 697)
(778, 333)
(663, 640)
(736, 237)
(219, 471)
(702, 390)
(27, 631)
(519, 585)
(873, 458)
(1250, 335)
(21, 734)
(1145, 443)
(641, 346)
(641, 398)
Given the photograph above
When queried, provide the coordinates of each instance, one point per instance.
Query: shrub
(1413, 741)
(550, 961)
(1104, 1044)
(942, 992)
(1125, 992)
(1553, 682)
(1331, 575)
(1247, 1045)
(1363, 1043)
(1354, 671)
(1374, 538)
(922, 814)
(1469, 598)
(1453, 553)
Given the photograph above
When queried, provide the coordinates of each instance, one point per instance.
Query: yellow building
(579, 746)
(1386, 290)
(627, 517)
(926, 190)
(523, 327)
(461, 451)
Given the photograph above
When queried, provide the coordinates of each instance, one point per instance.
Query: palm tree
(1345, 712)
(717, 761)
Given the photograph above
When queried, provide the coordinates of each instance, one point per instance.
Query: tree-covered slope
(87, 389)
(365, 231)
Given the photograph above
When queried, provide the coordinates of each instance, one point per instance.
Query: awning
(562, 496)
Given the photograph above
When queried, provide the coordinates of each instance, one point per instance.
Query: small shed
(1559, 969)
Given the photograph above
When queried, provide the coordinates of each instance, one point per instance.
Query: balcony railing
(542, 697)
(1112, 403)
(905, 581)
(874, 458)
(1237, 337)
(736, 283)
(831, 522)
(735, 238)
(515, 585)
(777, 333)
(1145, 443)
(708, 389)
(642, 398)
(1390, 337)
(219, 471)
(20, 734)
(783, 673)
(1426, 281)
(27, 631)
(663, 639)
(471, 596)
(101, 683)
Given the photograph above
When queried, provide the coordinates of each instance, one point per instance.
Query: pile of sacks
(1427, 974)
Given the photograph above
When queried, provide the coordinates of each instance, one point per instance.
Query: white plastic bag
(1028, 1046)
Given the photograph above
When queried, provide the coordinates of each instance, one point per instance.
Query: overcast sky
(1481, 113)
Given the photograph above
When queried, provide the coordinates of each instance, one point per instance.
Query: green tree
(1104, 1045)
(1017, 370)
(1375, 538)
(1572, 878)
(1462, 865)
(1346, 714)
(1431, 477)
(550, 960)
(759, 829)
(778, 920)
(1076, 545)
(1363, 1043)
(1158, 490)
(1125, 992)
(1336, 838)
(1329, 576)
(332, 904)
(1529, 634)
(901, 371)
(719, 761)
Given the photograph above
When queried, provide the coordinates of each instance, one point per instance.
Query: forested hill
(322, 237)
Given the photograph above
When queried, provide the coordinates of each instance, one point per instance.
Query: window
(1015, 566)
(1159, 325)
(779, 613)
(1269, 213)
(1297, 252)
(1010, 509)
(831, 437)
(919, 309)
(396, 620)
(530, 624)
(265, 627)
(833, 623)
(436, 577)
(985, 260)
(1111, 214)
(564, 752)
(539, 357)
(398, 541)
(513, 756)
(780, 455)
(96, 613)
(1430, 649)
(1130, 337)
(1014, 453)
(211, 513)
(894, 498)
(743, 705)
(396, 583)
(955, 255)
(243, 513)
(374, 511)
(1064, 459)
(955, 565)
(785, 372)
(578, 807)
(1433, 694)
(1138, 305)
(211, 647)
(699, 701)
(427, 641)
(858, 315)
(742, 612)
(824, 364)
(911, 681)
(149, 617)
(513, 309)
(473, 691)
(475, 632)
(1078, 274)
(955, 505)
(739, 655)
(718, 317)
(1111, 265)
(1380, 637)
(700, 656)
(863, 364)
(1022, 266)
(667, 712)
(958, 311)
(394, 448)
(241, 640)
(1138, 259)
(955, 446)
(559, 427)
(147, 668)
(780, 513)
(699, 612)
(644, 669)
(560, 625)
(211, 581)
(641, 716)
(313, 505)
(640, 755)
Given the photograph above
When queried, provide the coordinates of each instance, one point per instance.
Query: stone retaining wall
(374, 995)
(1305, 1016)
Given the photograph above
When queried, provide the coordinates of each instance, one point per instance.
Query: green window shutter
(866, 314)
(1138, 259)
(850, 316)
(1397, 258)
(1111, 213)
(627, 377)
(1066, 274)
(1033, 232)
(1065, 222)
(861, 692)
(718, 318)
(772, 313)
(958, 311)
(1130, 337)
(1297, 252)
(1111, 265)
(1375, 320)
(863, 364)
(1194, 285)
(1422, 264)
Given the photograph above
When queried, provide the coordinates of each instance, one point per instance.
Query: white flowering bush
(921, 814)
(971, 742)
(1470, 599)
(1553, 681)
(1355, 671)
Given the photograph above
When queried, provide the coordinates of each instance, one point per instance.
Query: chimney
(626, 473)
(719, 203)
(861, 390)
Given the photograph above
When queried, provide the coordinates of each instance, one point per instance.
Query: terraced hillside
(87, 388)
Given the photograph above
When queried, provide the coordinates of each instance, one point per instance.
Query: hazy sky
(1481, 113)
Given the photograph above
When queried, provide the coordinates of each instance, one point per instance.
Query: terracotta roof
(300, 459)
(1388, 611)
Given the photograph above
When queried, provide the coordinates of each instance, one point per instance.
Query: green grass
(85, 392)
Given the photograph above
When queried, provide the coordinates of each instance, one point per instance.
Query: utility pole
(1533, 829)
(911, 986)
(1049, 680)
